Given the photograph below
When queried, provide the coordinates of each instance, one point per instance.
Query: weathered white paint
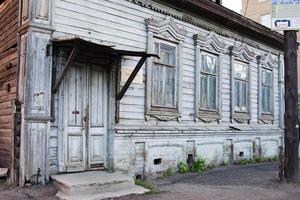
(134, 142)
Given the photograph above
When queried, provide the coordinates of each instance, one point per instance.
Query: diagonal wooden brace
(132, 76)
(65, 69)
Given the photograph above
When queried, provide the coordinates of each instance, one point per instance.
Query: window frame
(208, 44)
(164, 30)
(241, 53)
(241, 80)
(217, 74)
(266, 63)
(155, 61)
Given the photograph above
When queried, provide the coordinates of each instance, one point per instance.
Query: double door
(84, 118)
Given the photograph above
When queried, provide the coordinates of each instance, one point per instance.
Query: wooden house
(139, 85)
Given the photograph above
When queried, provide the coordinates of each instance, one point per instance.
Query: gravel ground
(254, 182)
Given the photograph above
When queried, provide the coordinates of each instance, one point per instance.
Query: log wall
(8, 69)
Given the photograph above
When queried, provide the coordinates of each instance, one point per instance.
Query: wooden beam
(132, 76)
(291, 132)
(65, 69)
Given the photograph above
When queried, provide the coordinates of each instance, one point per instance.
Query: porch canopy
(79, 45)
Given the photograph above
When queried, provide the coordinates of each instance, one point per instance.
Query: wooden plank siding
(122, 23)
(8, 69)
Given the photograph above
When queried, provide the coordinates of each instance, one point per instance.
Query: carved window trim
(208, 44)
(244, 55)
(168, 31)
(266, 62)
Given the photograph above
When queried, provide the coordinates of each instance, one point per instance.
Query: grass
(256, 160)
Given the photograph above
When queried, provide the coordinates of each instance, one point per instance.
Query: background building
(261, 11)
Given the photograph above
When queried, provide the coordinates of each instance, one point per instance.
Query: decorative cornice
(242, 51)
(210, 40)
(268, 60)
(166, 28)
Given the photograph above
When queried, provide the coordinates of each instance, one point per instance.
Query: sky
(235, 5)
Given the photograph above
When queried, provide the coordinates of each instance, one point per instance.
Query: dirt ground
(33, 193)
(254, 182)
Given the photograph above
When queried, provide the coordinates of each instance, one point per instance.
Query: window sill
(241, 117)
(163, 114)
(208, 116)
(266, 118)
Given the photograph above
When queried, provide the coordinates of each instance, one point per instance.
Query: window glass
(208, 82)
(241, 71)
(240, 87)
(266, 91)
(209, 64)
(167, 54)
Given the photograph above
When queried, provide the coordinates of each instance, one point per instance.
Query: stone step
(118, 193)
(94, 185)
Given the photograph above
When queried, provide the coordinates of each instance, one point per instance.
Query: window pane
(241, 71)
(212, 93)
(266, 99)
(266, 78)
(209, 64)
(237, 95)
(240, 96)
(170, 86)
(157, 85)
(244, 91)
(167, 54)
(203, 91)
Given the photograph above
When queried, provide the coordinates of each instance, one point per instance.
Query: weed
(145, 184)
(199, 165)
(168, 172)
(224, 163)
(182, 167)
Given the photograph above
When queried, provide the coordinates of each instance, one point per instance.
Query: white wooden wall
(122, 23)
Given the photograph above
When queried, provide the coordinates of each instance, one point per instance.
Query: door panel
(75, 90)
(96, 96)
(75, 146)
(98, 113)
(74, 133)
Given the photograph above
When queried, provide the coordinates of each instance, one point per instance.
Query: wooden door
(97, 117)
(84, 118)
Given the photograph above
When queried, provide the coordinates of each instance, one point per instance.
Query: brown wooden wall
(8, 72)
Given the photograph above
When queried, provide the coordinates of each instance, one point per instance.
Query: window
(164, 76)
(266, 20)
(266, 91)
(208, 82)
(210, 50)
(241, 81)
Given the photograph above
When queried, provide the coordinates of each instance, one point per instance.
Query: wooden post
(291, 134)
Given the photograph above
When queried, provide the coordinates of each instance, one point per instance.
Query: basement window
(157, 161)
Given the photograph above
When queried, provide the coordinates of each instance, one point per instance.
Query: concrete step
(94, 185)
